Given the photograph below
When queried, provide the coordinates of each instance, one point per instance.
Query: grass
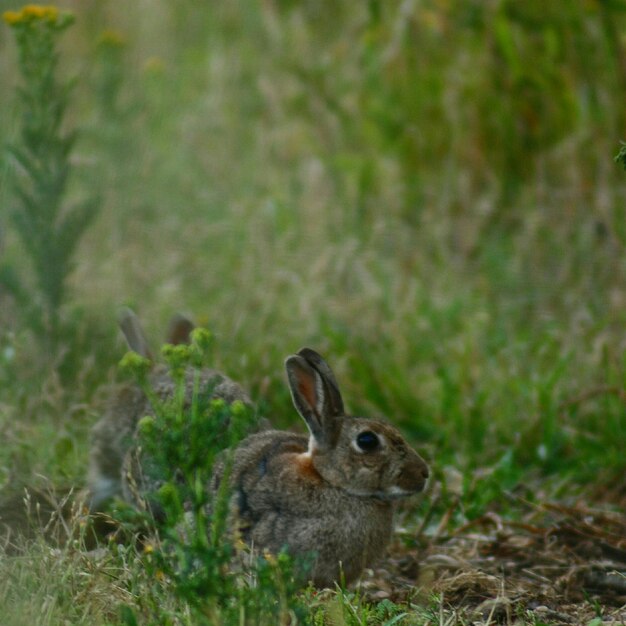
(426, 194)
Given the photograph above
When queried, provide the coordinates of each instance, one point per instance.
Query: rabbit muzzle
(411, 479)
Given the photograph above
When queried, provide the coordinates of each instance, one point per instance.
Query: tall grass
(425, 191)
(41, 157)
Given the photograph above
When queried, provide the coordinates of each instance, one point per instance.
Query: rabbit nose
(422, 473)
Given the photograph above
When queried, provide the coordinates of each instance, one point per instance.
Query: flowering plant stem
(48, 230)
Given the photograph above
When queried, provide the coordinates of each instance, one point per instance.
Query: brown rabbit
(331, 494)
(113, 469)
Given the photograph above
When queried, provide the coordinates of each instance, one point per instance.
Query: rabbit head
(364, 457)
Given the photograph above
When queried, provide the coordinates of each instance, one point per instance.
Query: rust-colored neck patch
(306, 469)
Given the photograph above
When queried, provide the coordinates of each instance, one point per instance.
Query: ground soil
(555, 564)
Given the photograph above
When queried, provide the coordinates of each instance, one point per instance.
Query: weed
(48, 230)
(194, 554)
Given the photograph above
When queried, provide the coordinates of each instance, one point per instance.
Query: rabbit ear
(133, 333)
(310, 392)
(331, 387)
(179, 330)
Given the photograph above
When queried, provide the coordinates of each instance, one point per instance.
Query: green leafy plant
(194, 553)
(49, 230)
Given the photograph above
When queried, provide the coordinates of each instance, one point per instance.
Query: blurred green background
(424, 191)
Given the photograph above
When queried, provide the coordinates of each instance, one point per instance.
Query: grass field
(426, 193)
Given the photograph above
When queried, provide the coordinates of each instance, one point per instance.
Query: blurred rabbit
(112, 470)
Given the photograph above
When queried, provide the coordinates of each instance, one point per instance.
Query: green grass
(426, 194)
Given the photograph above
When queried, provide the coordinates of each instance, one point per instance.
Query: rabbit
(331, 494)
(113, 470)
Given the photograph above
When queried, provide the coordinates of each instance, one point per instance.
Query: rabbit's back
(114, 435)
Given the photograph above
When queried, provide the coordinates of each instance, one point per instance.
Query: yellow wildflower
(154, 65)
(111, 39)
(32, 13)
(11, 17)
(40, 12)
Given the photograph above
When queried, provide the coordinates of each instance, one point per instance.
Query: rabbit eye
(367, 441)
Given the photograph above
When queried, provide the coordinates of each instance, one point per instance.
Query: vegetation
(48, 233)
(194, 554)
(425, 192)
